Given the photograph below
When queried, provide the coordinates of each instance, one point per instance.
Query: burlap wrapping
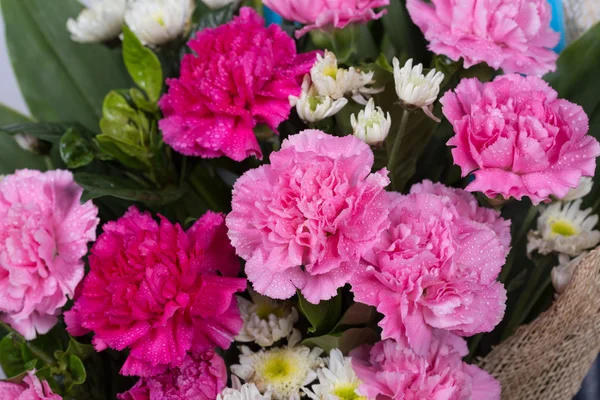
(549, 358)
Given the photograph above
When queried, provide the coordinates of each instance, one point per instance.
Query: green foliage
(143, 65)
(323, 316)
(75, 150)
(12, 156)
(404, 35)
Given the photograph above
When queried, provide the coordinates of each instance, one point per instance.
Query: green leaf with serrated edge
(323, 316)
(143, 65)
(75, 150)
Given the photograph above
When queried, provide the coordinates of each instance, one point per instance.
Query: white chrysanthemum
(214, 4)
(285, 371)
(101, 22)
(415, 89)
(312, 107)
(157, 22)
(564, 228)
(583, 189)
(329, 80)
(265, 320)
(563, 273)
(337, 381)
(247, 391)
(372, 125)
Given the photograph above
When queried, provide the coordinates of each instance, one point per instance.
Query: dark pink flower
(518, 139)
(304, 221)
(159, 291)
(199, 377)
(241, 75)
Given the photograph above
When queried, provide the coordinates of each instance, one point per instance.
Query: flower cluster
(241, 75)
(159, 291)
(518, 139)
(44, 231)
(435, 267)
(304, 221)
(514, 35)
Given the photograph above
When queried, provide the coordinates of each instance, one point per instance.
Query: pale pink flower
(32, 388)
(518, 138)
(392, 370)
(465, 205)
(327, 14)
(44, 231)
(241, 74)
(304, 221)
(514, 35)
(199, 377)
(433, 269)
(159, 291)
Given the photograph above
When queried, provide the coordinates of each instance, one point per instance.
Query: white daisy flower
(415, 89)
(157, 22)
(265, 320)
(329, 80)
(337, 381)
(372, 125)
(564, 228)
(312, 107)
(285, 371)
(563, 273)
(214, 4)
(247, 391)
(583, 189)
(101, 22)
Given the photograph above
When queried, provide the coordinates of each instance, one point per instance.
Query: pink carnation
(44, 231)
(318, 14)
(518, 138)
(465, 205)
(159, 291)
(32, 388)
(305, 220)
(433, 269)
(241, 75)
(199, 377)
(392, 370)
(514, 35)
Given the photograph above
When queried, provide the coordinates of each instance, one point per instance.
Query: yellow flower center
(160, 19)
(347, 392)
(330, 71)
(563, 227)
(263, 310)
(278, 369)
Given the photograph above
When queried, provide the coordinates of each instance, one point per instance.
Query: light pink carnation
(318, 14)
(199, 377)
(159, 291)
(465, 205)
(32, 388)
(514, 35)
(241, 75)
(392, 370)
(433, 269)
(44, 231)
(305, 220)
(518, 138)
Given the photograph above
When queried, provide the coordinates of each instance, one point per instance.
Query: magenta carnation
(519, 139)
(44, 231)
(241, 75)
(199, 377)
(159, 291)
(305, 220)
(392, 370)
(514, 35)
(317, 14)
(433, 268)
(32, 388)
(465, 205)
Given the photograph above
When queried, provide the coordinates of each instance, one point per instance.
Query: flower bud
(372, 125)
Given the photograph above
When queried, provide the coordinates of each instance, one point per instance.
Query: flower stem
(531, 214)
(392, 160)
(49, 163)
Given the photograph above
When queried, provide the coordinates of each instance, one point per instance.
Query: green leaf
(325, 342)
(406, 37)
(143, 65)
(346, 341)
(13, 157)
(49, 131)
(83, 351)
(75, 150)
(323, 316)
(96, 186)
(61, 80)
(11, 355)
(214, 18)
(77, 370)
(141, 102)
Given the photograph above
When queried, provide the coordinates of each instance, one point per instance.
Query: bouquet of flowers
(320, 199)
